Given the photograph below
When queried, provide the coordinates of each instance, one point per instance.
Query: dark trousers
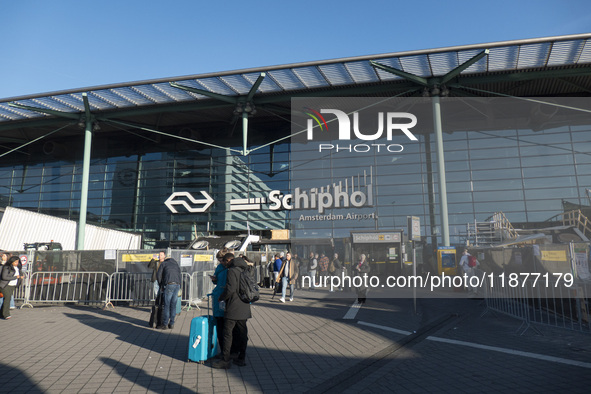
(219, 322)
(7, 291)
(237, 332)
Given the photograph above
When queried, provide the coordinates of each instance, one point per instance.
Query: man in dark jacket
(169, 278)
(237, 312)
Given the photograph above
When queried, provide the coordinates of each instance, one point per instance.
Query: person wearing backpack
(237, 313)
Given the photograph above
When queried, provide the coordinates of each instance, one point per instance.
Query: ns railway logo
(388, 123)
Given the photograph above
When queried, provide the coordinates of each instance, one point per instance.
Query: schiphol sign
(315, 199)
(319, 200)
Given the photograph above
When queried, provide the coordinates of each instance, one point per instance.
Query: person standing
(237, 313)
(313, 265)
(469, 264)
(298, 266)
(154, 265)
(169, 278)
(5, 256)
(337, 269)
(287, 275)
(8, 281)
(323, 269)
(277, 264)
(362, 268)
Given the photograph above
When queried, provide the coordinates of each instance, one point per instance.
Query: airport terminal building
(450, 136)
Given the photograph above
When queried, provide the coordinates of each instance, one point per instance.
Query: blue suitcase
(203, 338)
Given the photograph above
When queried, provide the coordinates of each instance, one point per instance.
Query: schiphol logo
(346, 193)
(389, 122)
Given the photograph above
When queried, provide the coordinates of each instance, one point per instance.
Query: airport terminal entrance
(383, 250)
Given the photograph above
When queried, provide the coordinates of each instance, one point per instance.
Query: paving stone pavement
(391, 345)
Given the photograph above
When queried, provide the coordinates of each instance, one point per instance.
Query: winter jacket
(293, 272)
(236, 309)
(277, 265)
(8, 274)
(154, 264)
(221, 274)
(169, 272)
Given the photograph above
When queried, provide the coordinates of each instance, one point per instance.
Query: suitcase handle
(209, 310)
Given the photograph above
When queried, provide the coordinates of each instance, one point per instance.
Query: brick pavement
(300, 346)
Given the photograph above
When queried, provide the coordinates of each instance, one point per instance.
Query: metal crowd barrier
(88, 288)
(100, 288)
(20, 293)
(200, 286)
(258, 273)
(549, 304)
(136, 288)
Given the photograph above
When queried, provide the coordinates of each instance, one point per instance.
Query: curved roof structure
(553, 66)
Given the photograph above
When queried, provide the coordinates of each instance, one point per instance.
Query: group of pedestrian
(10, 275)
(230, 312)
(321, 264)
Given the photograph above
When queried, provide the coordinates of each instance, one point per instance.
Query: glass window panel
(507, 184)
(557, 139)
(540, 161)
(537, 194)
(459, 197)
(581, 136)
(510, 173)
(540, 216)
(564, 181)
(451, 166)
(458, 187)
(488, 143)
(539, 205)
(455, 176)
(400, 168)
(533, 172)
(399, 158)
(494, 153)
(536, 150)
(414, 189)
(399, 179)
(499, 195)
(583, 158)
(489, 164)
(503, 206)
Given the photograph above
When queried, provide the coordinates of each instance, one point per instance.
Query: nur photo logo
(388, 124)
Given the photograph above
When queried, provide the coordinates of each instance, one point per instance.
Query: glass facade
(492, 164)
(499, 157)
(129, 192)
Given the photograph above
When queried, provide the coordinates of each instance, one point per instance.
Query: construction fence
(545, 285)
(110, 277)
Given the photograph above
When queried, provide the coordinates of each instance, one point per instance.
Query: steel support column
(438, 129)
(244, 133)
(85, 175)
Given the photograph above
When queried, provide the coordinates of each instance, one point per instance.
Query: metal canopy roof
(333, 77)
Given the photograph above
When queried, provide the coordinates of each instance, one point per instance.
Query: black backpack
(248, 290)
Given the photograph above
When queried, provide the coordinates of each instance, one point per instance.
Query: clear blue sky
(63, 44)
